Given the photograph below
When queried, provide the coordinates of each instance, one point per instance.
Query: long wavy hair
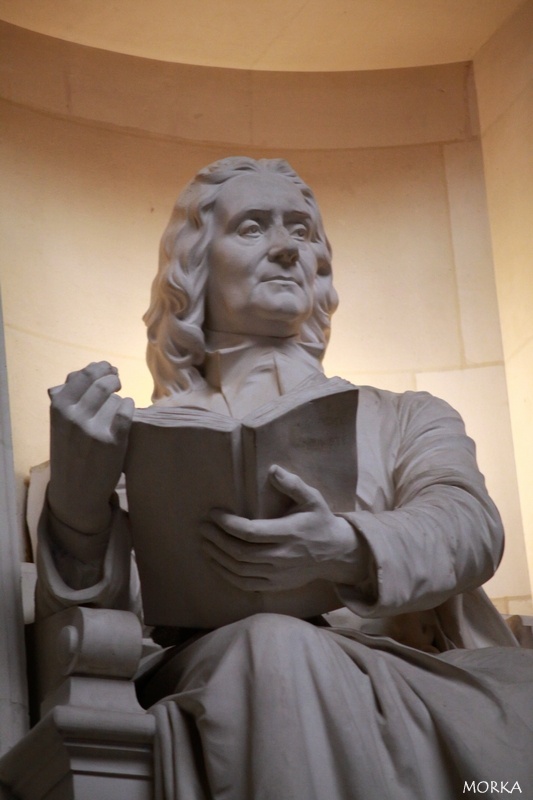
(176, 344)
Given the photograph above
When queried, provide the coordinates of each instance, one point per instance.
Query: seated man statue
(428, 691)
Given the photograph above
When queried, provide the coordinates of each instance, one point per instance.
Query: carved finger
(78, 382)
(245, 583)
(95, 398)
(294, 487)
(239, 549)
(248, 530)
(236, 565)
(121, 422)
(111, 422)
(53, 391)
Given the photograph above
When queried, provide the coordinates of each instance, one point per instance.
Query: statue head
(195, 273)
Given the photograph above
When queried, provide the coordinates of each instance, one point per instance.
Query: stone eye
(249, 228)
(299, 232)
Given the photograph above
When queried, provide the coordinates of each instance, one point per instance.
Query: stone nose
(283, 248)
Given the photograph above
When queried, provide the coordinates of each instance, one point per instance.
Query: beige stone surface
(478, 305)
(420, 504)
(170, 99)
(520, 385)
(508, 158)
(266, 109)
(480, 395)
(504, 65)
(85, 203)
(31, 69)
(47, 363)
(386, 212)
(97, 201)
(279, 35)
(520, 605)
(504, 78)
(367, 109)
(501, 604)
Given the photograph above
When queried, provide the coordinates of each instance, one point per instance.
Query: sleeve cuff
(361, 597)
(86, 548)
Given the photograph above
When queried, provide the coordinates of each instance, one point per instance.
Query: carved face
(262, 264)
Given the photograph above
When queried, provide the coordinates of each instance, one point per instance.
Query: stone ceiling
(282, 35)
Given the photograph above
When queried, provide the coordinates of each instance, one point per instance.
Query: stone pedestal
(83, 754)
(94, 741)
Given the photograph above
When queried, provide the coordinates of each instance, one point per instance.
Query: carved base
(83, 754)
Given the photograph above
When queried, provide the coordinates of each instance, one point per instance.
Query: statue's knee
(267, 621)
(258, 645)
(274, 632)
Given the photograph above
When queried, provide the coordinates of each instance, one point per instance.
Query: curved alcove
(235, 107)
(96, 144)
(281, 35)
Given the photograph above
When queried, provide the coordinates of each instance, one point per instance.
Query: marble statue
(414, 690)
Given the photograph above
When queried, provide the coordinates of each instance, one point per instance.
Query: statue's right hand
(88, 440)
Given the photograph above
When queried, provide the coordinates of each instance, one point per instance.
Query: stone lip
(280, 35)
(374, 108)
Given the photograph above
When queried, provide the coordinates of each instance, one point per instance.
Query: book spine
(249, 485)
(239, 471)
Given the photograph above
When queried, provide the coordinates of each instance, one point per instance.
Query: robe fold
(415, 688)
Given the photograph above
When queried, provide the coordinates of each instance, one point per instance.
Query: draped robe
(415, 689)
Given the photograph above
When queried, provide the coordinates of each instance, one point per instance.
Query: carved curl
(176, 345)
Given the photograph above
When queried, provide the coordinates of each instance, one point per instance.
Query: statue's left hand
(89, 431)
(308, 543)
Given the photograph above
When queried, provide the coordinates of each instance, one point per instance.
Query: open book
(182, 462)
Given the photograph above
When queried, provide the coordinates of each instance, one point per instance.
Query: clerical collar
(252, 370)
